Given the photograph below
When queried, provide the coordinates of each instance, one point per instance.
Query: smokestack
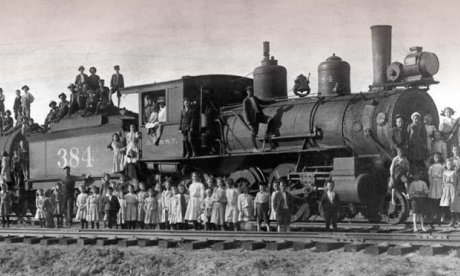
(381, 53)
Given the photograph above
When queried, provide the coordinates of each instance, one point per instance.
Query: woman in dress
(219, 199)
(435, 173)
(93, 207)
(131, 208)
(151, 209)
(118, 154)
(448, 128)
(196, 192)
(450, 181)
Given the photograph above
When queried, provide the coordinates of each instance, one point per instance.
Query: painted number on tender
(72, 158)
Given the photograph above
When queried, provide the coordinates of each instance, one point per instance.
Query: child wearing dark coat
(111, 206)
(330, 202)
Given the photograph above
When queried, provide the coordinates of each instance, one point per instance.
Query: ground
(22, 259)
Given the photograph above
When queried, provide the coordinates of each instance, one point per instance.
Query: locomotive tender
(333, 134)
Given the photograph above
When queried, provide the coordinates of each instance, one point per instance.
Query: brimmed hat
(415, 114)
(62, 95)
(71, 85)
(66, 167)
(116, 67)
(81, 67)
(25, 87)
(93, 68)
(53, 103)
(161, 99)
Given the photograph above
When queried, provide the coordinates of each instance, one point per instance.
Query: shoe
(187, 156)
(415, 230)
(424, 229)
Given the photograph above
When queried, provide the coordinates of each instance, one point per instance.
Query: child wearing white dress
(173, 202)
(435, 173)
(165, 199)
(276, 188)
(181, 207)
(39, 202)
(131, 208)
(245, 206)
(93, 207)
(231, 210)
(151, 209)
(141, 196)
(219, 200)
(206, 210)
(81, 205)
(121, 216)
(450, 182)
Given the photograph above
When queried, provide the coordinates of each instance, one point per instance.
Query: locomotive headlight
(381, 119)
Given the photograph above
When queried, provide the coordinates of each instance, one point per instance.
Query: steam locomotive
(332, 134)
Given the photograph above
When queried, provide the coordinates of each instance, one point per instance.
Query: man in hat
(417, 151)
(52, 115)
(8, 122)
(254, 115)
(63, 106)
(73, 103)
(93, 79)
(188, 125)
(81, 78)
(102, 93)
(17, 107)
(399, 135)
(26, 99)
(69, 194)
(117, 83)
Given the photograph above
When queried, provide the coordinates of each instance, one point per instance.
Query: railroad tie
(328, 246)
(432, 250)
(147, 242)
(167, 243)
(194, 245)
(14, 239)
(104, 241)
(356, 247)
(48, 241)
(275, 246)
(401, 249)
(225, 245)
(297, 246)
(253, 245)
(376, 249)
(31, 240)
(127, 242)
(86, 241)
(67, 241)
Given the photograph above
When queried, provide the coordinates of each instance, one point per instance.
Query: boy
(398, 173)
(111, 206)
(418, 190)
(330, 202)
(282, 201)
(262, 207)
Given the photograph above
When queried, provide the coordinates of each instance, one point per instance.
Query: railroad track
(372, 243)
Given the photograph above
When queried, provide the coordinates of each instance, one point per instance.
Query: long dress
(196, 192)
(218, 208)
(272, 211)
(5, 203)
(165, 202)
(131, 207)
(446, 126)
(39, 202)
(151, 210)
(417, 149)
(118, 157)
(245, 207)
(173, 203)
(141, 197)
(93, 208)
(81, 205)
(435, 173)
(231, 210)
(181, 207)
(121, 216)
(6, 169)
(450, 180)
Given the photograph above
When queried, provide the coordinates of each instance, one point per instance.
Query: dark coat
(63, 109)
(416, 142)
(78, 82)
(17, 104)
(399, 137)
(188, 119)
(103, 95)
(278, 201)
(113, 82)
(110, 204)
(250, 111)
(68, 186)
(93, 82)
(328, 206)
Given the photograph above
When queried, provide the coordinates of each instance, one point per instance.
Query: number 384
(73, 157)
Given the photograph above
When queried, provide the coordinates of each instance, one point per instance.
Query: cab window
(149, 103)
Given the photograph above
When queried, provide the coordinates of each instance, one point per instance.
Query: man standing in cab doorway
(254, 115)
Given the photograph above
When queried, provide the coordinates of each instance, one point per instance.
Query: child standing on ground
(231, 210)
(81, 205)
(58, 203)
(5, 205)
(398, 173)
(219, 200)
(330, 202)
(39, 201)
(93, 207)
(450, 181)
(245, 206)
(206, 210)
(173, 203)
(48, 209)
(151, 209)
(272, 211)
(435, 173)
(262, 207)
(181, 207)
(165, 202)
(418, 190)
(111, 207)
(131, 208)
(141, 196)
(121, 216)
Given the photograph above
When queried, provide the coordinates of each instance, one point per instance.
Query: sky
(43, 42)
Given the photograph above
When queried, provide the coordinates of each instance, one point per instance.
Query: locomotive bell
(270, 79)
(334, 77)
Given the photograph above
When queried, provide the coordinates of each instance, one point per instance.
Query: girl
(218, 207)
(173, 203)
(275, 190)
(181, 207)
(418, 191)
(141, 196)
(245, 205)
(93, 207)
(231, 210)
(262, 207)
(165, 202)
(151, 209)
(447, 125)
(118, 154)
(206, 210)
(5, 205)
(121, 216)
(435, 173)
(81, 205)
(48, 209)
(450, 181)
(39, 201)
(196, 191)
(131, 208)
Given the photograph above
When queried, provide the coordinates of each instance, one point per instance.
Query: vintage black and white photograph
(299, 137)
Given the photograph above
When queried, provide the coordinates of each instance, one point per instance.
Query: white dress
(196, 192)
(165, 202)
(435, 173)
(151, 210)
(40, 201)
(245, 207)
(131, 207)
(272, 211)
(93, 208)
(141, 196)
(231, 210)
(121, 216)
(81, 205)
